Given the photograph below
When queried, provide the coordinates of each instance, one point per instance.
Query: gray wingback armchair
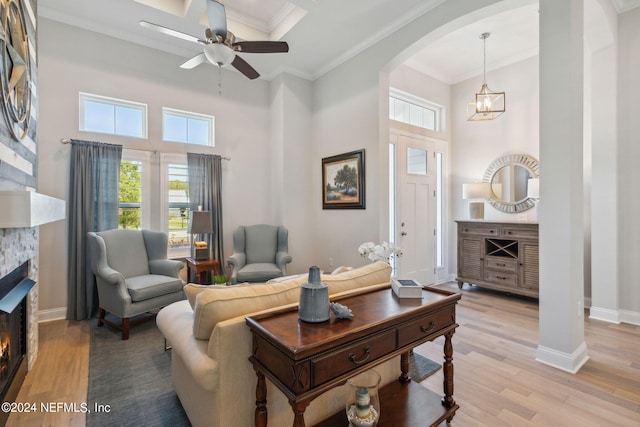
(133, 274)
(260, 253)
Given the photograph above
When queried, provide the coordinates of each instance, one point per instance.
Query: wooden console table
(305, 360)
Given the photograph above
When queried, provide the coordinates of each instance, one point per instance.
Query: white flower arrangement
(382, 252)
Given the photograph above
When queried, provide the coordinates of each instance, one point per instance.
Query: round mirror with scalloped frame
(509, 176)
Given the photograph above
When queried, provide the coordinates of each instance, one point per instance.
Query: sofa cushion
(215, 304)
(370, 274)
(152, 285)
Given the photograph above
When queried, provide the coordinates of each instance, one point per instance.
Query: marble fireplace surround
(18, 245)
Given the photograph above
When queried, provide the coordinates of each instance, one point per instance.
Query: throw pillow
(216, 304)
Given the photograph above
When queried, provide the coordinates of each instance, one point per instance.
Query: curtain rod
(67, 141)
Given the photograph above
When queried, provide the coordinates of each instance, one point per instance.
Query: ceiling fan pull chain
(219, 80)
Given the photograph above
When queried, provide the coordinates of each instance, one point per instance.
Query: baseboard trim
(568, 362)
(605, 314)
(52, 314)
(627, 316)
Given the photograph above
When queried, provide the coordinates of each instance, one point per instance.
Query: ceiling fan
(220, 45)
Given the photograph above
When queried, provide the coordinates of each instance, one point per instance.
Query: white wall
(477, 144)
(73, 60)
(628, 155)
(350, 111)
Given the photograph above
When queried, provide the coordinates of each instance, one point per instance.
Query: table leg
(298, 412)
(447, 370)
(404, 368)
(261, 400)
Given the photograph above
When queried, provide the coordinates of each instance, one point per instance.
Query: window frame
(114, 102)
(211, 120)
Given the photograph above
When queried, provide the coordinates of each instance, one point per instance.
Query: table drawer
(427, 325)
(478, 230)
(501, 264)
(334, 364)
(520, 232)
(500, 278)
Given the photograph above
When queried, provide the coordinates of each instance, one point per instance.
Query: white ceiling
(321, 33)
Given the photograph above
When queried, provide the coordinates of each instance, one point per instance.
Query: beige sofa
(211, 345)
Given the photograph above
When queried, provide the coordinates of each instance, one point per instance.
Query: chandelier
(486, 104)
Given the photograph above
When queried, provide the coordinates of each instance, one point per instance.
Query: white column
(560, 210)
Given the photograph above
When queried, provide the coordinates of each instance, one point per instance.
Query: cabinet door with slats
(529, 267)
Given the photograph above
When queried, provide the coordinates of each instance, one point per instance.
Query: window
(112, 116)
(407, 108)
(134, 211)
(190, 128)
(129, 215)
(177, 207)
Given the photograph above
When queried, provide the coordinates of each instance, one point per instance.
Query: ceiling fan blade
(170, 32)
(194, 62)
(217, 18)
(261, 46)
(244, 67)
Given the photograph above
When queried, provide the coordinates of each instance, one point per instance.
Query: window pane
(416, 161)
(428, 119)
(415, 115)
(130, 194)
(179, 213)
(198, 131)
(129, 121)
(439, 213)
(174, 128)
(98, 117)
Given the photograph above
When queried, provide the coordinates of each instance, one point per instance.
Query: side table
(201, 267)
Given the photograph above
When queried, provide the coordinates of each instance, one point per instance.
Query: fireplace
(14, 288)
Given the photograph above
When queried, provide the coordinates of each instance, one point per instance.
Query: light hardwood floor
(497, 380)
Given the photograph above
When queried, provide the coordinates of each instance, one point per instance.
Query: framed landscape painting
(343, 181)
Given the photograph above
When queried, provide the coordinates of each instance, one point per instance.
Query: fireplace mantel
(25, 209)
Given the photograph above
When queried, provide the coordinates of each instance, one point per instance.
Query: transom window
(113, 116)
(187, 127)
(407, 108)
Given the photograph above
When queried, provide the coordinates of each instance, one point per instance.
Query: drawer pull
(499, 264)
(424, 329)
(367, 353)
(501, 277)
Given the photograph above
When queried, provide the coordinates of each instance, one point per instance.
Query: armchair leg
(101, 314)
(125, 328)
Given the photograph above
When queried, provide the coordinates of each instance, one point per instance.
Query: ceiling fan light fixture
(219, 54)
(486, 104)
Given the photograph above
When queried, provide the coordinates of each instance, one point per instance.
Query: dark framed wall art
(343, 181)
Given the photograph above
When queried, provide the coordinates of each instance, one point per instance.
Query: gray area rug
(420, 367)
(133, 377)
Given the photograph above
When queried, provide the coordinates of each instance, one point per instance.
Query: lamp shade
(200, 222)
(219, 54)
(476, 190)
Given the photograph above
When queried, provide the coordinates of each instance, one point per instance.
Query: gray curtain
(205, 189)
(93, 206)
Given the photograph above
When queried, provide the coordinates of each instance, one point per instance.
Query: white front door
(415, 214)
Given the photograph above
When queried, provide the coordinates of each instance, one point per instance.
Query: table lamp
(475, 191)
(200, 224)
